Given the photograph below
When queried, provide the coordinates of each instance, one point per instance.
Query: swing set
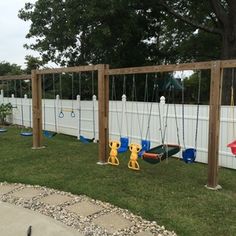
(216, 68)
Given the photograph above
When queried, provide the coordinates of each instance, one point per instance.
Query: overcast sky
(12, 32)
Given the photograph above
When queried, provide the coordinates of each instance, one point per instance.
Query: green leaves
(5, 110)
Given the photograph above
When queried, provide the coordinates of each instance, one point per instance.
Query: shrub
(5, 110)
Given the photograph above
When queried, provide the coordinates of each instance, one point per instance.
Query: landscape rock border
(84, 225)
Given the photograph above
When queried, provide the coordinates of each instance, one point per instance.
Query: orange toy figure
(135, 149)
(113, 160)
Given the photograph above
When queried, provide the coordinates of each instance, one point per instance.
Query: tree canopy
(132, 32)
(129, 32)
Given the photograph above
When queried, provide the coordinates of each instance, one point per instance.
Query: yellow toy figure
(113, 160)
(135, 149)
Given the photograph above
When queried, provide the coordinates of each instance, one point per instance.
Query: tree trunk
(228, 52)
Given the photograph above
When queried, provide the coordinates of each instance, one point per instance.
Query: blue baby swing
(189, 154)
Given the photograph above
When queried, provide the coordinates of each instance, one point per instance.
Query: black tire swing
(163, 151)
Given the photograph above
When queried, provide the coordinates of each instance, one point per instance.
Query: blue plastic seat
(85, 140)
(124, 141)
(146, 144)
(49, 134)
(189, 155)
(26, 134)
(3, 130)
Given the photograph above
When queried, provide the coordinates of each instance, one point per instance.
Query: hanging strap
(22, 112)
(93, 92)
(154, 94)
(124, 109)
(136, 103)
(198, 106)
(7, 91)
(72, 114)
(166, 116)
(113, 98)
(79, 108)
(15, 93)
(54, 97)
(61, 114)
(30, 118)
(176, 118)
(44, 103)
(183, 112)
(145, 100)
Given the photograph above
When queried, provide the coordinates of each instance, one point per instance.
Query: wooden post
(214, 125)
(103, 111)
(37, 110)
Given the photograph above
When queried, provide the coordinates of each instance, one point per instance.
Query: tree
(9, 69)
(132, 32)
(214, 18)
(98, 31)
(32, 63)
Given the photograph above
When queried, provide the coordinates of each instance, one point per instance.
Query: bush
(5, 110)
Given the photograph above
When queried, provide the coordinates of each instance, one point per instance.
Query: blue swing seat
(146, 145)
(189, 155)
(85, 140)
(26, 134)
(49, 134)
(3, 130)
(124, 145)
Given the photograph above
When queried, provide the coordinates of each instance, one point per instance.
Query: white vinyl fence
(132, 119)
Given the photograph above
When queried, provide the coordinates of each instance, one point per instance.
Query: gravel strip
(82, 224)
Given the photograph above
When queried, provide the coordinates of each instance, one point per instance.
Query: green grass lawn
(171, 193)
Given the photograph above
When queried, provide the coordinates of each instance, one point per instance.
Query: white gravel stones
(69, 210)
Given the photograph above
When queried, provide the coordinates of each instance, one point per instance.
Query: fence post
(214, 125)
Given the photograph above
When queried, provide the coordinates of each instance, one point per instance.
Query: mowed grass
(170, 193)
